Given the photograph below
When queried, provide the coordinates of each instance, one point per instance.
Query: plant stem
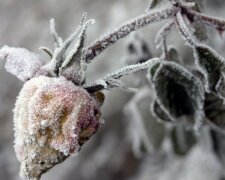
(139, 22)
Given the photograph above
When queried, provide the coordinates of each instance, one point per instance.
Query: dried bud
(52, 119)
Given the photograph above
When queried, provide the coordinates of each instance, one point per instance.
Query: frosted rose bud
(52, 119)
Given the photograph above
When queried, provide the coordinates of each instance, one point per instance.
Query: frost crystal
(21, 62)
(53, 118)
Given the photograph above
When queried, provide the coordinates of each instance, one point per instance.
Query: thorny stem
(107, 40)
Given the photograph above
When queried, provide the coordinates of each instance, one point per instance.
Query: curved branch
(107, 40)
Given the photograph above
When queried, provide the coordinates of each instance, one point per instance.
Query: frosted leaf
(144, 132)
(211, 64)
(58, 40)
(215, 111)
(21, 62)
(67, 59)
(160, 113)
(198, 73)
(152, 70)
(53, 118)
(173, 84)
(74, 66)
(220, 87)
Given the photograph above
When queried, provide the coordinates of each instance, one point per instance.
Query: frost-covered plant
(56, 111)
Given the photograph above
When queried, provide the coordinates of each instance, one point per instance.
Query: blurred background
(116, 152)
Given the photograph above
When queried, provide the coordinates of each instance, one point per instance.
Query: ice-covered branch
(111, 80)
(183, 29)
(141, 21)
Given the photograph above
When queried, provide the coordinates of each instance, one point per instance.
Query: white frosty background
(107, 155)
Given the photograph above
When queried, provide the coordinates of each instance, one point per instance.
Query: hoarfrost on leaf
(211, 64)
(21, 62)
(160, 113)
(174, 84)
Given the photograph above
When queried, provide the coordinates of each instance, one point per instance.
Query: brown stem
(107, 40)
